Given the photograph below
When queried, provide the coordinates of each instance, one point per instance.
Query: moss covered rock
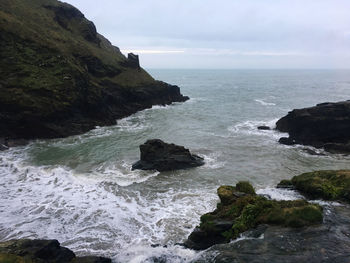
(60, 77)
(239, 212)
(328, 184)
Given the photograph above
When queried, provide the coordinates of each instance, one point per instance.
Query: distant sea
(81, 190)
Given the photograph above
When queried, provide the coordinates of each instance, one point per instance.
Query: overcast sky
(226, 33)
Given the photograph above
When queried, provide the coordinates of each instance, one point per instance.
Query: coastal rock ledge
(161, 156)
(42, 251)
(326, 125)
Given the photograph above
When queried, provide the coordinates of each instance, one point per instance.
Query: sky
(226, 34)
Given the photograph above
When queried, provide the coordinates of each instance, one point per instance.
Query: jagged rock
(245, 210)
(133, 60)
(161, 156)
(263, 127)
(59, 77)
(41, 251)
(324, 125)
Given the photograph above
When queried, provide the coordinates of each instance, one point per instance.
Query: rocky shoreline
(326, 125)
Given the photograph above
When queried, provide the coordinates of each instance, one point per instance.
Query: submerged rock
(41, 251)
(264, 127)
(324, 125)
(161, 156)
(241, 209)
(327, 185)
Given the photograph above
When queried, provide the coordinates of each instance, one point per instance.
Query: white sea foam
(264, 103)
(93, 215)
(212, 160)
(251, 128)
(279, 194)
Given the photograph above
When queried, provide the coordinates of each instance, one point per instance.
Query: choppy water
(81, 191)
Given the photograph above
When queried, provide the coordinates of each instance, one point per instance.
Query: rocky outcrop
(241, 209)
(161, 156)
(327, 185)
(324, 125)
(59, 77)
(41, 251)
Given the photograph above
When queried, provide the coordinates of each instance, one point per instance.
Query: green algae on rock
(327, 184)
(241, 211)
(59, 77)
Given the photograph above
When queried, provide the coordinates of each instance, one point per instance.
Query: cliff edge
(59, 77)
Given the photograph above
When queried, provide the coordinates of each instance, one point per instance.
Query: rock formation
(161, 156)
(328, 185)
(59, 77)
(241, 210)
(41, 251)
(324, 125)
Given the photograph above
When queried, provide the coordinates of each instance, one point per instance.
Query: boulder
(241, 210)
(41, 251)
(324, 125)
(161, 156)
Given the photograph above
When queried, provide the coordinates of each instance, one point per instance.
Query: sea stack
(161, 156)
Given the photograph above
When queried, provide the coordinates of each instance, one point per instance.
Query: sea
(81, 190)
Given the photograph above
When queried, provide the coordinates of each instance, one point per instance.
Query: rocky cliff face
(60, 77)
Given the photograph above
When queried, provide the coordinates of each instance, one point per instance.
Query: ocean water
(81, 190)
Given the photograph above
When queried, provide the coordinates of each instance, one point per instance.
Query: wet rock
(286, 184)
(324, 125)
(286, 141)
(263, 127)
(241, 210)
(41, 251)
(328, 185)
(327, 243)
(161, 156)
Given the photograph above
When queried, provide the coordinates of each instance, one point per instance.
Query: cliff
(59, 77)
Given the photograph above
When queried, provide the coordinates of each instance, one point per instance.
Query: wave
(262, 102)
(251, 128)
(279, 194)
(89, 213)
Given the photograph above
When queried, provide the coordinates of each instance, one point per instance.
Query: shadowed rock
(161, 156)
(41, 251)
(264, 127)
(324, 125)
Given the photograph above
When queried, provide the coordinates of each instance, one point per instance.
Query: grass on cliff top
(30, 20)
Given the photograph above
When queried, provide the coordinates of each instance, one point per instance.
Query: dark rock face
(41, 251)
(241, 210)
(161, 156)
(324, 125)
(133, 60)
(59, 77)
